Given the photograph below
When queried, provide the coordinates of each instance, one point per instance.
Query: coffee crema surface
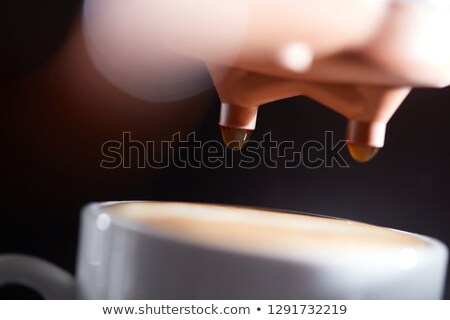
(263, 230)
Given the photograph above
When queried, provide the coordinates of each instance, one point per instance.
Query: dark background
(56, 112)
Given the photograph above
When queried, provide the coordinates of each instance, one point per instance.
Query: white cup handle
(46, 278)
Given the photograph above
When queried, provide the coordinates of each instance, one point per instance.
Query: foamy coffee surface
(261, 230)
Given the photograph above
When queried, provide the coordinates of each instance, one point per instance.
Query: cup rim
(432, 248)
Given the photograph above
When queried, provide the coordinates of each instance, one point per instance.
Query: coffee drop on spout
(362, 153)
(234, 138)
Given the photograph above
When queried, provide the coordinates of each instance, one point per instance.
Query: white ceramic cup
(164, 250)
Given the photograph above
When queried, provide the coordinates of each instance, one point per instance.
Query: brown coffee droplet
(361, 152)
(235, 139)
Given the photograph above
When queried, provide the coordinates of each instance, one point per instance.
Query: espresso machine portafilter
(360, 58)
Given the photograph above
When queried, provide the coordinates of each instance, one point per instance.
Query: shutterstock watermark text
(189, 152)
